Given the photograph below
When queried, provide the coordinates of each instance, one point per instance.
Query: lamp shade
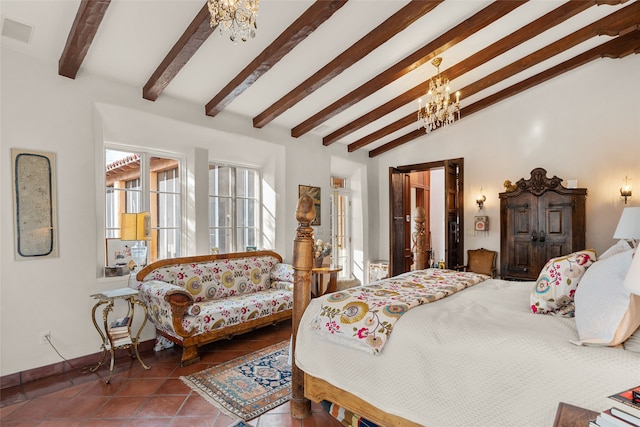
(135, 226)
(632, 279)
(629, 224)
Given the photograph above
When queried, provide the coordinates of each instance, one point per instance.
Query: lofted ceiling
(344, 72)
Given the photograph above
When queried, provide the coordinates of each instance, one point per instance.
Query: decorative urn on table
(321, 249)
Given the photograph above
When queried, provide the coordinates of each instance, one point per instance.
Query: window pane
(247, 213)
(168, 243)
(246, 237)
(247, 182)
(220, 180)
(221, 238)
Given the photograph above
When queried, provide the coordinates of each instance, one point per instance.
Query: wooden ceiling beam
(375, 38)
(619, 47)
(307, 23)
(84, 28)
(615, 23)
(187, 45)
(527, 32)
(486, 16)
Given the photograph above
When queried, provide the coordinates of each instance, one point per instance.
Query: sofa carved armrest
(180, 301)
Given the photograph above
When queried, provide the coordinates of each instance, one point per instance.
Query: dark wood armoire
(539, 220)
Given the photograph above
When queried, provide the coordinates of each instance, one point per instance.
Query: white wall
(42, 111)
(583, 125)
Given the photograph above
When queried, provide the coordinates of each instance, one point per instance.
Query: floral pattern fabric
(226, 291)
(221, 278)
(557, 283)
(363, 317)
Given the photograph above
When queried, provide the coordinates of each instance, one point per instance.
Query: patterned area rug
(247, 386)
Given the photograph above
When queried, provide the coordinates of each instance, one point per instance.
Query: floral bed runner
(363, 317)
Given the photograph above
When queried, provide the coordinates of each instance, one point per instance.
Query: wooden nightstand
(573, 416)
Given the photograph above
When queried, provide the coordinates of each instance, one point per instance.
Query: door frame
(398, 211)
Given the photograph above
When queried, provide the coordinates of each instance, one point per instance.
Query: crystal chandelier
(237, 16)
(438, 110)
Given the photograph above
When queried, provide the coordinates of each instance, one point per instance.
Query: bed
(477, 357)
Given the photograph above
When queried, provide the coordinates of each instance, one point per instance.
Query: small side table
(573, 416)
(333, 279)
(124, 339)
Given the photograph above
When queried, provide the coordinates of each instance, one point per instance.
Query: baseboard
(61, 367)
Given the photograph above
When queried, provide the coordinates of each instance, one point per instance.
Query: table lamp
(136, 226)
(629, 226)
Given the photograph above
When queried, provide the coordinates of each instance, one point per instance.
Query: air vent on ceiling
(16, 30)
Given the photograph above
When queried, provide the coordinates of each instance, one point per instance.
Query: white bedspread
(477, 358)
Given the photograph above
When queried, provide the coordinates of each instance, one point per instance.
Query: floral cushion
(282, 276)
(220, 278)
(216, 314)
(557, 282)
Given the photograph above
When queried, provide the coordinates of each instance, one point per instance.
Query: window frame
(146, 154)
(233, 198)
(341, 191)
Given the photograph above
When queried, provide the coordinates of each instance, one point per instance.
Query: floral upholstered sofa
(193, 301)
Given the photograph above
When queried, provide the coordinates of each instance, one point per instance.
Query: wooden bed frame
(305, 386)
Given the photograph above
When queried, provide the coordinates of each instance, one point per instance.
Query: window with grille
(138, 181)
(340, 234)
(235, 195)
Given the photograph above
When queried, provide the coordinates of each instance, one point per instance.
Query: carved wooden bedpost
(419, 238)
(302, 265)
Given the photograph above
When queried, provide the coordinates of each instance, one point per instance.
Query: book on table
(608, 419)
(627, 401)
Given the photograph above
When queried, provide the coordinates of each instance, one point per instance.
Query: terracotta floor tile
(139, 387)
(11, 396)
(173, 386)
(120, 407)
(37, 409)
(151, 422)
(61, 423)
(196, 422)
(137, 397)
(161, 406)
(196, 405)
(79, 407)
(278, 420)
(44, 386)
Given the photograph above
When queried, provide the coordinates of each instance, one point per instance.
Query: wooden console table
(573, 416)
(333, 279)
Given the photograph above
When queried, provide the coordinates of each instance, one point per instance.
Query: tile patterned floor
(138, 397)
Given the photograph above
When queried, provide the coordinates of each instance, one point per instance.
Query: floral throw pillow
(558, 281)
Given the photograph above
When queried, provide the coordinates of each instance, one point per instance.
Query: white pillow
(606, 312)
(633, 342)
(619, 247)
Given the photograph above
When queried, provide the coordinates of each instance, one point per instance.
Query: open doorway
(408, 187)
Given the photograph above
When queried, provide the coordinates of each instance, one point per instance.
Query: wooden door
(399, 201)
(453, 184)
(400, 222)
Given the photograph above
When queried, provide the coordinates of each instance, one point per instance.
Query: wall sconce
(480, 199)
(625, 190)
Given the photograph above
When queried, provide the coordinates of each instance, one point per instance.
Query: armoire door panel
(554, 222)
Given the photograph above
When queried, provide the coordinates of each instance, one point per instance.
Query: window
(234, 208)
(140, 181)
(340, 233)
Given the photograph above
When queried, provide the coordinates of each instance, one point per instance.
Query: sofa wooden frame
(181, 300)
